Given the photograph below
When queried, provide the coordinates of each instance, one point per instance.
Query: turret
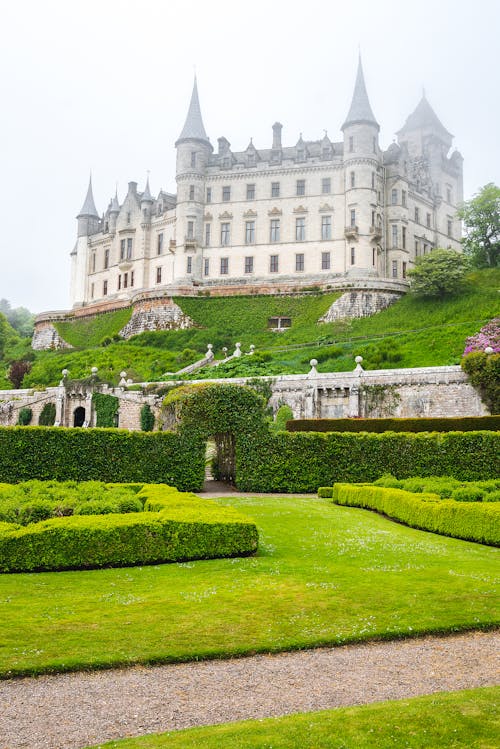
(88, 218)
(146, 203)
(113, 213)
(360, 128)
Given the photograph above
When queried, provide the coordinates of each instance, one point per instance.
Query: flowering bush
(489, 335)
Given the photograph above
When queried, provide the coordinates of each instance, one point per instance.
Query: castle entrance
(79, 416)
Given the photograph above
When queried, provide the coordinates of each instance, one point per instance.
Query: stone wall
(155, 314)
(45, 336)
(358, 303)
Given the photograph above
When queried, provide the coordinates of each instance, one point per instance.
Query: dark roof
(360, 110)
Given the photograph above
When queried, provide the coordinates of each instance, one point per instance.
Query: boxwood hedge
(178, 526)
(423, 424)
(467, 520)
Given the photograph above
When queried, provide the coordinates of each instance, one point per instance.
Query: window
(129, 248)
(326, 227)
(158, 274)
(159, 244)
(325, 261)
(403, 237)
(93, 262)
(250, 192)
(426, 247)
(351, 144)
(353, 179)
(224, 266)
(193, 158)
(190, 230)
(131, 277)
(251, 159)
(226, 193)
(105, 288)
(206, 266)
(373, 218)
(106, 259)
(353, 255)
(394, 235)
(191, 192)
(448, 194)
(374, 144)
(394, 268)
(326, 153)
(403, 198)
(378, 196)
(125, 280)
(128, 217)
(300, 229)
(225, 234)
(207, 235)
(249, 265)
(404, 270)
(275, 230)
(353, 217)
(301, 187)
(273, 263)
(417, 216)
(450, 228)
(394, 197)
(189, 264)
(428, 220)
(373, 180)
(119, 282)
(374, 256)
(275, 189)
(209, 194)
(299, 261)
(417, 247)
(92, 290)
(249, 232)
(326, 185)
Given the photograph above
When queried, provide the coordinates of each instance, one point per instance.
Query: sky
(103, 86)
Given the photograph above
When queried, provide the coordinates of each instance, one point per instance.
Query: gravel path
(71, 711)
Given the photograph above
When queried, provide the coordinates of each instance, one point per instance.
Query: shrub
(283, 415)
(484, 373)
(47, 416)
(147, 418)
(468, 494)
(469, 521)
(106, 409)
(17, 370)
(423, 424)
(25, 417)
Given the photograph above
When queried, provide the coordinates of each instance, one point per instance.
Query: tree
(439, 274)
(17, 371)
(481, 217)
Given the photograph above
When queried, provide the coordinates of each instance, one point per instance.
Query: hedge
(187, 527)
(300, 462)
(101, 454)
(469, 521)
(453, 424)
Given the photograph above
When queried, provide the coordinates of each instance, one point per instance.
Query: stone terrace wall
(155, 314)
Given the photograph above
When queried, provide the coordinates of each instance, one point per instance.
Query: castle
(319, 213)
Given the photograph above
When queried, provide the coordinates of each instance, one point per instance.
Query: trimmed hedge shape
(450, 424)
(300, 462)
(470, 521)
(178, 527)
(102, 455)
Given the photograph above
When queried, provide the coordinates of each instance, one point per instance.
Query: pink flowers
(489, 335)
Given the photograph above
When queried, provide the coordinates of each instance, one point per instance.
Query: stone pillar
(354, 401)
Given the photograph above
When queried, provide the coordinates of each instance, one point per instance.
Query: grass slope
(90, 331)
(412, 332)
(323, 575)
(460, 720)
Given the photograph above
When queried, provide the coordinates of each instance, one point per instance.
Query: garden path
(71, 711)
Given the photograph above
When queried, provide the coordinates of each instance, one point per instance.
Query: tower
(88, 224)
(362, 159)
(193, 152)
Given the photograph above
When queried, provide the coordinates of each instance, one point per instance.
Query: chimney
(277, 127)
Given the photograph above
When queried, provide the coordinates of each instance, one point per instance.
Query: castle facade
(318, 213)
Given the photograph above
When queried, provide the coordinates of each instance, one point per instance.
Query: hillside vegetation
(413, 332)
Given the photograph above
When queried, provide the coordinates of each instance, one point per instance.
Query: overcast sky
(104, 86)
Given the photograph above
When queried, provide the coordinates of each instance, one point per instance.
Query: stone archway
(79, 416)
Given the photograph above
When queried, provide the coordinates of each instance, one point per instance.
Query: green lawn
(323, 575)
(467, 720)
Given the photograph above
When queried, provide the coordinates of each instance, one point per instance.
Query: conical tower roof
(424, 118)
(88, 208)
(193, 127)
(146, 195)
(360, 110)
(115, 205)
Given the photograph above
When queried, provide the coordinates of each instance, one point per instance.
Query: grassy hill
(412, 332)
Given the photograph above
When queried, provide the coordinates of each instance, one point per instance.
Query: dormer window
(326, 154)
(300, 154)
(226, 162)
(251, 159)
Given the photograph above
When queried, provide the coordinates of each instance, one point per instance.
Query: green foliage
(186, 527)
(90, 331)
(101, 454)
(47, 416)
(25, 416)
(420, 424)
(106, 408)
(455, 720)
(283, 415)
(481, 217)
(147, 418)
(17, 370)
(484, 373)
(444, 487)
(439, 274)
(20, 318)
(467, 520)
(300, 462)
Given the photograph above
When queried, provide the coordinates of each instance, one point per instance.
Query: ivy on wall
(47, 416)
(484, 373)
(106, 409)
(147, 418)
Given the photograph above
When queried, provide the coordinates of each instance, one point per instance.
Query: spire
(360, 110)
(146, 195)
(115, 205)
(193, 127)
(424, 117)
(88, 208)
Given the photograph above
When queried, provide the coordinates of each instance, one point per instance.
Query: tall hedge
(303, 461)
(421, 424)
(101, 454)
